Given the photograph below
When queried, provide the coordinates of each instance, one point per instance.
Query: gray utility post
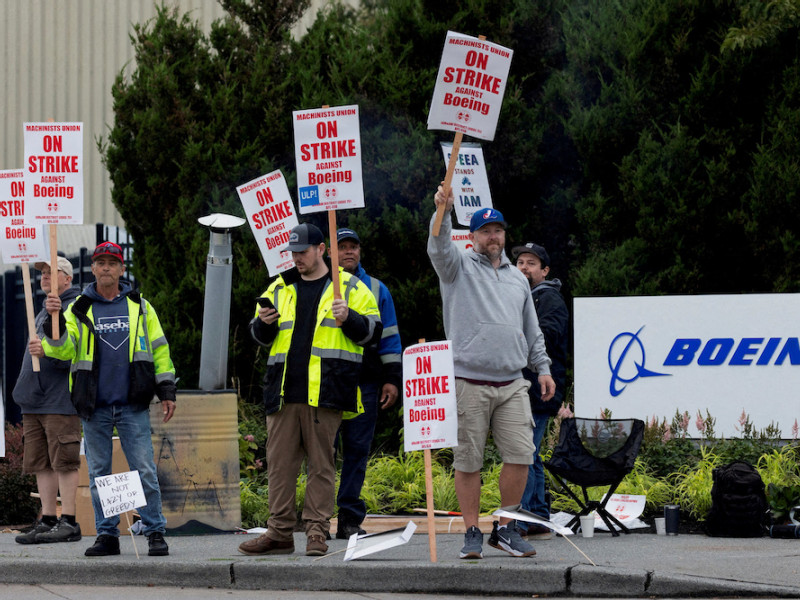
(217, 306)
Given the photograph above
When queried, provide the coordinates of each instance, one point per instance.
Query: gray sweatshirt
(488, 313)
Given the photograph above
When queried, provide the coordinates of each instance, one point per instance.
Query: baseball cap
(63, 265)
(485, 216)
(107, 249)
(303, 236)
(532, 248)
(347, 234)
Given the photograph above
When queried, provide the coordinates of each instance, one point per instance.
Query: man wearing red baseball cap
(120, 360)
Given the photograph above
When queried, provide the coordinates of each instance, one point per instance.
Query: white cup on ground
(587, 526)
(661, 525)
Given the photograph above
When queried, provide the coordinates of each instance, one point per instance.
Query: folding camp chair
(595, 452)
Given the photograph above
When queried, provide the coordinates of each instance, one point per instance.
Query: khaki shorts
(52, 442)
(506, 411)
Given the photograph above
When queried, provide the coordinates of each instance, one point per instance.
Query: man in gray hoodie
(490, 318)
(51, 425)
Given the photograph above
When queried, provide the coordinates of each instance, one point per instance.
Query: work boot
(156, 544)
(104, 545)
(316, 545)
(60, 532)
(345, 530)
(265, 545)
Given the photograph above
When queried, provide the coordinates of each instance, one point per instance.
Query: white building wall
(58, 61)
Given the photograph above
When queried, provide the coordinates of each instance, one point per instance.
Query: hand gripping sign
(271, 215)
(470, 183)
(468, 94)
(20, 243)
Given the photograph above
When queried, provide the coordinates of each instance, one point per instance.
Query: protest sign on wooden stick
(468, 94)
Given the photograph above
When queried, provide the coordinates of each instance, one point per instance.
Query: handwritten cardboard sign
(327, 145)
(19, 243)
(271, 215)
(470, 85)
(430, 416)
(470, 183)
(53, 173)
(120, 492)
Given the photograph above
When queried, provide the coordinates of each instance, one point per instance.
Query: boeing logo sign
(655, 356)
(626, 356)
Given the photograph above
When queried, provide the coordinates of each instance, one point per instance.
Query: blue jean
(356, 435)
(133, 427)
(533, 497)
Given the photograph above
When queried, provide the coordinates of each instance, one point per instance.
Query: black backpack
(738, 502)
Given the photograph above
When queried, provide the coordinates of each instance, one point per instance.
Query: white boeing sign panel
(645, 356)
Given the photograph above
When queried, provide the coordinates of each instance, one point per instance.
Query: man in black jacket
(534, 262)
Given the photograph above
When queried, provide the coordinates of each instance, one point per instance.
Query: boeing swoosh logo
(632, 349)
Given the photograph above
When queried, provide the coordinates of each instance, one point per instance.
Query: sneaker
(473, 544)
(265, 545)
(508, 539)
(29, 537)
(60, 532)
(156, 545)
(345, 530)
(316, 545)
(534, 531)
(104, 545)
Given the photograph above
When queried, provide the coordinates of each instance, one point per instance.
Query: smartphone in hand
(265, 302)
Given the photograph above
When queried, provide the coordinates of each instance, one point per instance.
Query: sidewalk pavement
(635, 565)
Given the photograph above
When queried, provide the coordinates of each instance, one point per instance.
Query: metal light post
(217, 305)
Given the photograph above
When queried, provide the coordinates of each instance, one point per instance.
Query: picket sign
(121, 492)
(468, 95)
(18, 242)
(448, 178)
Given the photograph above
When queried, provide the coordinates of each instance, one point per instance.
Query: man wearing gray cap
(534, 262)
(315, 344)
(51, 426)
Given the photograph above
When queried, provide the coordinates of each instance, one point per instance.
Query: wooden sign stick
(26, 281)
(429, 497)
(54, 270)
(54, 277)
(133, 539)
(337, 293)
(448, 178)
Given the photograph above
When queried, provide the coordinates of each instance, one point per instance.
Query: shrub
(16, 505)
